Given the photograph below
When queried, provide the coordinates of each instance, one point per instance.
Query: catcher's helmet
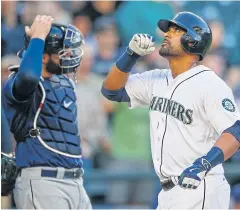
(64, 40)
(198, 36)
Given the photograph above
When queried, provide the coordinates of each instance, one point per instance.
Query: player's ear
(45, 58)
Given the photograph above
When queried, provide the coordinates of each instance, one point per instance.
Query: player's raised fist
(142, 44)
(40, 27)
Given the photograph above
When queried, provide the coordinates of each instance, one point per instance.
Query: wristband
(127, 60)
(214, 157)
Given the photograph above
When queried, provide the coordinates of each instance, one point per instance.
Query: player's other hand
(40, 27)
(142, 44)
(193, 175)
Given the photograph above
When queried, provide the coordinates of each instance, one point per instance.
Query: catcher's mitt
(9, 172)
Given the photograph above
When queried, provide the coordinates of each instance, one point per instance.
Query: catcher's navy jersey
(51, 109)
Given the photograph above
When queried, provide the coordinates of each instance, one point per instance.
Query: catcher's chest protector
(57, 116)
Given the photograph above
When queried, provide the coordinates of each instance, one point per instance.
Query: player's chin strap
(35, 131)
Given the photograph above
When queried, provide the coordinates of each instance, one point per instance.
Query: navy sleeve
(119, 95)
(7, 93)
(29, 72)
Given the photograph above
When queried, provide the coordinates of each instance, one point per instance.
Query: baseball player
(40, 106)
(194, 120)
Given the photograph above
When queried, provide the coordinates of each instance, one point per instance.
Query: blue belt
(75, 174)
(67, 174)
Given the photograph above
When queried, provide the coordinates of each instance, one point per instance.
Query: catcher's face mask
(71, 54)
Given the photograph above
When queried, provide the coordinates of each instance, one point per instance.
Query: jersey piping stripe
(204, 192)
(167, 115)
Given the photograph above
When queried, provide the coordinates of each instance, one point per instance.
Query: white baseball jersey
(187, 115)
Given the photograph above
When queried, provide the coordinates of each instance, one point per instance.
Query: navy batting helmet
(64, 40)
(198, 36)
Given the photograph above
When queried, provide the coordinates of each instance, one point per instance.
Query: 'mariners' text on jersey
(172, 108)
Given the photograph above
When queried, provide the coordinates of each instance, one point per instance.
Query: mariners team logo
(172, 108)
(228, 105)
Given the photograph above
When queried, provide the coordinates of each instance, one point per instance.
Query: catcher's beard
(53, 68)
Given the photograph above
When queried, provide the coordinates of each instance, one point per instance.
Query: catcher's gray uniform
(35, 192)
